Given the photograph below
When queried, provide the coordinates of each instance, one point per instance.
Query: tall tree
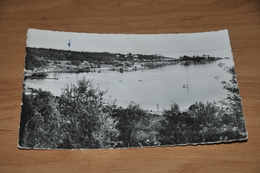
(86, 125)
(133, 123)
(40, 121)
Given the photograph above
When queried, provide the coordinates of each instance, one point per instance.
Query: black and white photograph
(97, 91)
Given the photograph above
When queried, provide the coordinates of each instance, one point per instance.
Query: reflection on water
(153, 89)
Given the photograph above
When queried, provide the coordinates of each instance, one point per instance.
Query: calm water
(151, 88)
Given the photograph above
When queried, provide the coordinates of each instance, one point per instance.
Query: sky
(214, 43)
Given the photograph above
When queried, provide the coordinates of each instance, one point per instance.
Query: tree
(107, 133)
(205, 117)
(173, 126)
(86, 125)
(40, 121)
(232, 88)
(234, 119)
(74, 120)
(133, 123)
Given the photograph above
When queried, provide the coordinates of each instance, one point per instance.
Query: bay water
(154, 89)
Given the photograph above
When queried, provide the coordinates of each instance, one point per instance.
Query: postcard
(97, 91)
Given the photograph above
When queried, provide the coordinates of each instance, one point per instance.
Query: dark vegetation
(39, 74)
(198, 58)
(39, 57)
(79, 118)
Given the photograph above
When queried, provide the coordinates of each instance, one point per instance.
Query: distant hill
(39, 57)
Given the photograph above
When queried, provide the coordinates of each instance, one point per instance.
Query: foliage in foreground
(75, 120)
(81, 119)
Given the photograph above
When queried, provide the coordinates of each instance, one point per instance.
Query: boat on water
(186, 63)
(121, 70)
(186, 85)
(39, 74)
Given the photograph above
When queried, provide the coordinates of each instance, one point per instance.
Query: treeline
(39, 57)
(197, 58)
(79, 118)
